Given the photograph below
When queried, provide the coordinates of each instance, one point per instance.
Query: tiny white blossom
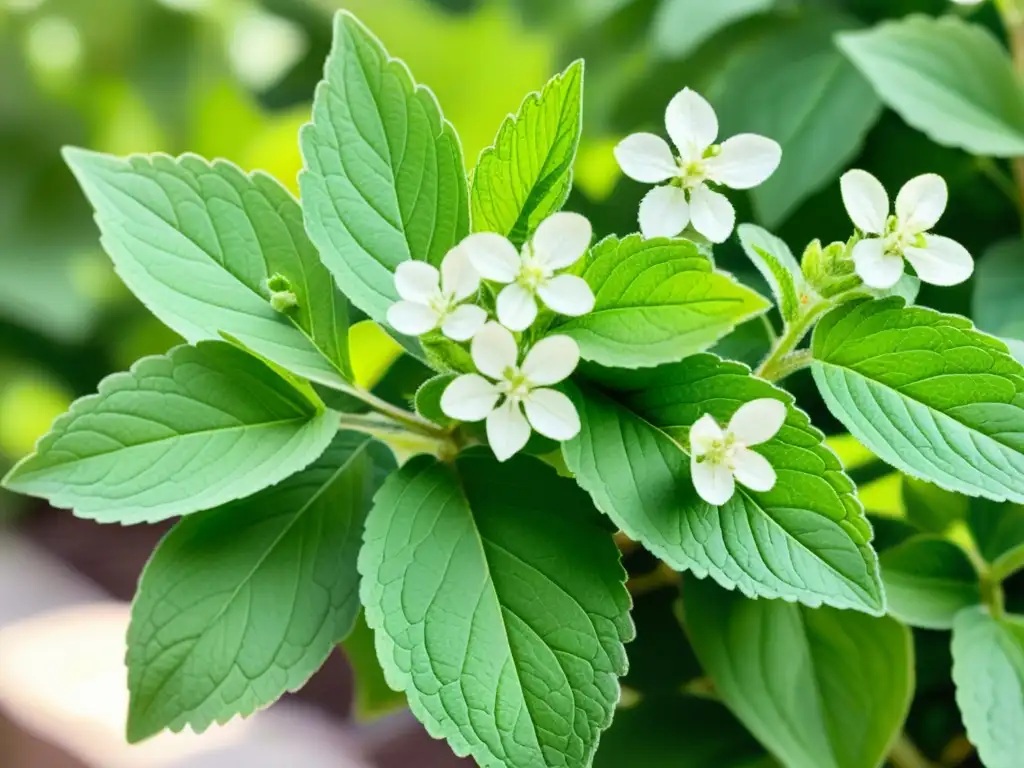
(431, 299)
(515, 388)
(560, 241)
(878, 258)
(742, 162)
(718, 459)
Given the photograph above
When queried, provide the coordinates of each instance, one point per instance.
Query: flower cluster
(443, 300)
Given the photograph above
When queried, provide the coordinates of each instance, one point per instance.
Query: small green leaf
(681, 26)
(498, 603)
(243, 603)
(527, 174)
(198, 243)
(927, 393)
(778, 266)
(998, 529)
(658, 301)
(373, 696)
(189, 430)
(806, 539)
(794, 676)
(946, 77)
(928, 580)
(988, 669)
(383, 179)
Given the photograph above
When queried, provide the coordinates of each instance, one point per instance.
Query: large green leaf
(680, 26)
(806, 539)
(498, 602)
(245, 602)
(383, 179)
(928, 580)
(657, 301)
(197, 242)
(189, 430)
(988, 669)
(927, 393)
(946, 77)
(809, 98)
(526, 176)
(819, 688)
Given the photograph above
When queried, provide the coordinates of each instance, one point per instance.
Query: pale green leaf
(658, 301)
(777, 266)
(527, 174)
(680, 26)
(497, 599)
(197, 243)
(189, 430)
(819, 688)
(988, 669)
(926, 392)
(806, 539)
(946, 77)
(383, 179)
(243, 603)
(998, 287)
(373, 696)
(928, 580)
(931, 508)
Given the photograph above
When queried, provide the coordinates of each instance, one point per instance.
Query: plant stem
(402, 441)
(1012, 13)
(990, 582)
(905, 754)
(784, 358)
(411, 421)
(662, 576)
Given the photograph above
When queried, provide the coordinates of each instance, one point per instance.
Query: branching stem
(785, 359)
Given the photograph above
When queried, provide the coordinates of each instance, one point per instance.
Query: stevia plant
(575, 411)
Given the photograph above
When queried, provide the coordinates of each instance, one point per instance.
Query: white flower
(742, 162)
(560, 240)
(718, 459)
(879, 257)
(471, 397)
(431, 299)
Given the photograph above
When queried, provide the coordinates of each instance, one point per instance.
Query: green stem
(784, 358)
(989, 581)
(1012, 13)
(905, 754)
(403, 441)
(411, 421)
(1003, 569)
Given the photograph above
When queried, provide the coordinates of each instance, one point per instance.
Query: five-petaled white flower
(431, 299)
(560, 240)
(742, 162)
(718, 459)
(471, 397)
(878, 258)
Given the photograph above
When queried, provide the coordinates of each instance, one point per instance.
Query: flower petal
(567, 295)
(469, 398)
(464, 323)
(866, 201)
(647, 158)
(459, 277)
(745, 161)
(551, 360)
(875, 267)
(692, 123)
(494, 350)
(664, 212)
(921, 202)
(753, 470)
(516, 307)
(714, 482)
(552, 414)
(757, 421)
(942, 261)
(492, 256)
(561, 240)
(507, 430)
(704, 433)
(417, 281)
(712, 214)
(412, 318)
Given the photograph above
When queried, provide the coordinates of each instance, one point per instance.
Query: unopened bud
(829, 270)
(282, 296)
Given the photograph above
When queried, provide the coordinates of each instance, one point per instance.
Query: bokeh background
(234, 79)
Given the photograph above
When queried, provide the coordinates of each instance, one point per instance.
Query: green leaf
(197, 244)
(527, 174)
(373, 696)
(657, 301)
(946, 77)
(998, 530)
(988, 669)
(931, 508)
(998, 286)
(927, 393)
(794, 676)
(809, 98)
(680, 26)
(928, 580)
(243, 603)
(383, 179)
(189, 430)
(806, 539)
(497, 599)
(777, 266)
(428, 399)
